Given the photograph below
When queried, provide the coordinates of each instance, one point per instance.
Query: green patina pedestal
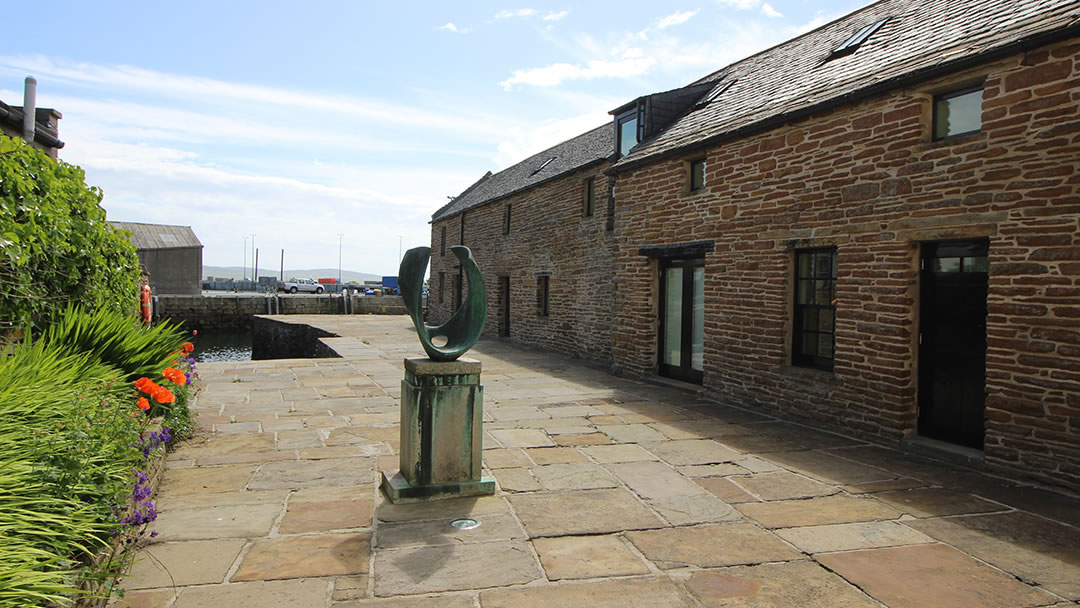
(441, 415)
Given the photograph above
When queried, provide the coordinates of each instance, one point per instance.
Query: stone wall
(549, 236)
(869, 181)
(279, 339)
(237, 310)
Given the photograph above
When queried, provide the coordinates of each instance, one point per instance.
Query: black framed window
(697, 175)
(442, 242)
(627, 132)
(815, 308)
(542, 290)
(590, 196)
(958, 113)
(442, 286)
(506, 219)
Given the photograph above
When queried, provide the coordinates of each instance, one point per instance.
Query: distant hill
(235, 272)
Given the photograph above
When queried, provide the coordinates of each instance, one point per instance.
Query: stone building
(539, 231)
(874, 226)
(171, 255)
(43, 133)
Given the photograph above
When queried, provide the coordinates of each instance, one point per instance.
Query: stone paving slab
(305, 557)
(184, 563)
(801, 584)
(650, 592)
(454, 567)
(578, 557)
(611, 493)
(710, 546)
(931, 575)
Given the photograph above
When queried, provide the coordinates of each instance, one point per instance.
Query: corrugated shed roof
(159, 236)
(919, 37)
(571, 155)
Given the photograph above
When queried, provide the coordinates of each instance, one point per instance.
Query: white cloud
(450, 27)
(556, 73)
(556, 16)
(676, 19)
(201, 91)
(521, 12)
(742, 5)
(769, 11)
(524, 142)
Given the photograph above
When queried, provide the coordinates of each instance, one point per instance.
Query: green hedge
(55, 245)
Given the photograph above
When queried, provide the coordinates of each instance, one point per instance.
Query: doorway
(952, 341)
(504, 308)
(682, 319)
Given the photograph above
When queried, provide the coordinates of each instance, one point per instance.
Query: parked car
(304, 285)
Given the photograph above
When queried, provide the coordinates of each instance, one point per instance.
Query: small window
(815, 308)
(506, 219)
(627, 132)
(712, 95)
(542, 284)
(697, 175)
(590, 194)
(442, 285)
(541, 167)
(958, 113)
(442, 242)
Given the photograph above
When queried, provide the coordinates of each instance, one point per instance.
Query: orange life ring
(145, 304)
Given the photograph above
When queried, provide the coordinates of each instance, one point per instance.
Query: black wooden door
(682, 319)
(952, 351)
(504, 300)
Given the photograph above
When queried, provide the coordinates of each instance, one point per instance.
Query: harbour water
(222, 345)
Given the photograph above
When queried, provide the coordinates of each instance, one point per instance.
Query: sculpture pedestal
(441, 417)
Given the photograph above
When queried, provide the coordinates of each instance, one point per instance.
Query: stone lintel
(398, 490)
(423, 366)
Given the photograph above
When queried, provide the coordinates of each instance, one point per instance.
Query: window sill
(953, 140)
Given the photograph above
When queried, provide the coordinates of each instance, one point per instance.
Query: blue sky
(297, 122)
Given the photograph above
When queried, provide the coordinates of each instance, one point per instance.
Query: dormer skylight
(541, 167)
(851, 44)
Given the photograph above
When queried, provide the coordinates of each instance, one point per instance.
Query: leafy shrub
(55, 245)
(73, 445)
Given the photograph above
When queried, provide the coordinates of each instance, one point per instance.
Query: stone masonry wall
(237, 310)
(549, 235)
(868, 180)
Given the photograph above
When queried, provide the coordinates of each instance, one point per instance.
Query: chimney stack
(29, 109)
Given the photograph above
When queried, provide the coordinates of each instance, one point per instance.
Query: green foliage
(71, 437)
(55, 245)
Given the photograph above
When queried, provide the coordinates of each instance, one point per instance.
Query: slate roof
(921, 39)
(591, 147)
(45, 131)
(159, 236)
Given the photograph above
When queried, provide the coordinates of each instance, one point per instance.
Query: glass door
(682, 319)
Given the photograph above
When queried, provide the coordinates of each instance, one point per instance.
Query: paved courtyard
(612, 492)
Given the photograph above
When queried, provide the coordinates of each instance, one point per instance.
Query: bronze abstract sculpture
(464, 327)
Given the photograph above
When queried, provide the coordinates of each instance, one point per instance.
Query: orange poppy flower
(188, 347)
(145, 385)
(143, 404)
(175, 376)
(163, 395)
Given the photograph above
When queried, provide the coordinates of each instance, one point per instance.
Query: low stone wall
(236, 310)
(277, 339)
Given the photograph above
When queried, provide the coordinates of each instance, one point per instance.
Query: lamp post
(339, 257)
(399, 239)
(254, 271)
(243, 273)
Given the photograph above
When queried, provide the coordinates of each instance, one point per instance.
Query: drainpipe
(29, 109)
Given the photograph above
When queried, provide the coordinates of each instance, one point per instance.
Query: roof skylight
(716, 92)
(857, 39)
(541, 167)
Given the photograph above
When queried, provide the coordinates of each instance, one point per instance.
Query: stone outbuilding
(873, 227)
(171, 255)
